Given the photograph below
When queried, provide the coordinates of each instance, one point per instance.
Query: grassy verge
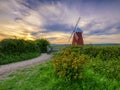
(42, 77)
(9, 58)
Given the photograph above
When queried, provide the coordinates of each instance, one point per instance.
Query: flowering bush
(69, 65)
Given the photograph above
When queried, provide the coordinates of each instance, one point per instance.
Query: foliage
(18, 46)
(41, 77)
(9, 58)
(98, 73)
(1, 54)
(70, 62)
(42, 43)
(103, 52)
(110, 69)
(13, 50)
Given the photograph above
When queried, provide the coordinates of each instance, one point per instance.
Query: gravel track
(5, 69)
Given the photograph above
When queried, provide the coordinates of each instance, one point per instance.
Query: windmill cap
(78, 30)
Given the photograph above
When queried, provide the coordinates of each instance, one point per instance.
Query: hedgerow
(42, 44)
(18, 46)
(70, 62)
(103, 52)
(12, 50)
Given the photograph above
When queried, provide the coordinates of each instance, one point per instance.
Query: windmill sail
(75, 29)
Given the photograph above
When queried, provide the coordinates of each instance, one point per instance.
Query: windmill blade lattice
(74, 29)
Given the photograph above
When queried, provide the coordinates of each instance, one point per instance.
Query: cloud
(103, 39)
(102, 28)
(55, 19)
(58, 27)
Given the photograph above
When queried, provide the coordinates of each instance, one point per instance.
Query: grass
(9, 58)
(33, 78)
(101, 72)
(42, 77)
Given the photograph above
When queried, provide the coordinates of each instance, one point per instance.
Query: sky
(55, 20)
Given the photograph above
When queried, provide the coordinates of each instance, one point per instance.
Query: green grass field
(10, 58)
(42, 77)
(98, 74)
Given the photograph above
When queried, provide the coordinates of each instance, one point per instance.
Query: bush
(103, 52)
(31, 46)
(110, 68)
(69, 65)
(13, 50)
(42, 44)
(1, 55)
(11, 46)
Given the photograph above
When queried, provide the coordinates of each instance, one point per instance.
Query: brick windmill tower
(77, 35)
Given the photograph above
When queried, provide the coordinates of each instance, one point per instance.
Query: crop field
(74, 68)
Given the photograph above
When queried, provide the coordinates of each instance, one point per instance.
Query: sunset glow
(55, 20)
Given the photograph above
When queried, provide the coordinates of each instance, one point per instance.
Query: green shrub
(0, 48)
(106, 53)
(1, 55)
(103, 52)
(69, 65)
(8, 45)
(11, 46)
(42, 44)
(31, 46)
(13, 50)
(110, 68)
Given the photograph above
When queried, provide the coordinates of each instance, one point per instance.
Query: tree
(42, 43)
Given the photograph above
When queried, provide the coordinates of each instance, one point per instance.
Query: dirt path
(4, 69)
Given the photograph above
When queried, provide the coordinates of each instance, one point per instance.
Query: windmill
(77, 35)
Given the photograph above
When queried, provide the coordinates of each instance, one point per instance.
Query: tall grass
(10, 58)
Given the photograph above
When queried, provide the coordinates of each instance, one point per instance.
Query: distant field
(101, 72)
(57, 47)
